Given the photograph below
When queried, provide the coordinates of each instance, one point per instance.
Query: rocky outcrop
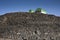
(29, 26)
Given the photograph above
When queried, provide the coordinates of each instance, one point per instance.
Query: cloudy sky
(51, 6)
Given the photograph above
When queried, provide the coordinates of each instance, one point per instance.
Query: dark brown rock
(29, 26)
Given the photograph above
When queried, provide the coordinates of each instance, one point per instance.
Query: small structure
(40, 10)
(31, 11)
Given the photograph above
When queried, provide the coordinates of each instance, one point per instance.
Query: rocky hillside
(29, 26)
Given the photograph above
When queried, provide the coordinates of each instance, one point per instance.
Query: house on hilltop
(38, 10)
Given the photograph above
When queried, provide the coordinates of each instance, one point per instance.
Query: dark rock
(27, 26)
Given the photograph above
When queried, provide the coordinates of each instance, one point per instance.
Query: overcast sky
(51, 6)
